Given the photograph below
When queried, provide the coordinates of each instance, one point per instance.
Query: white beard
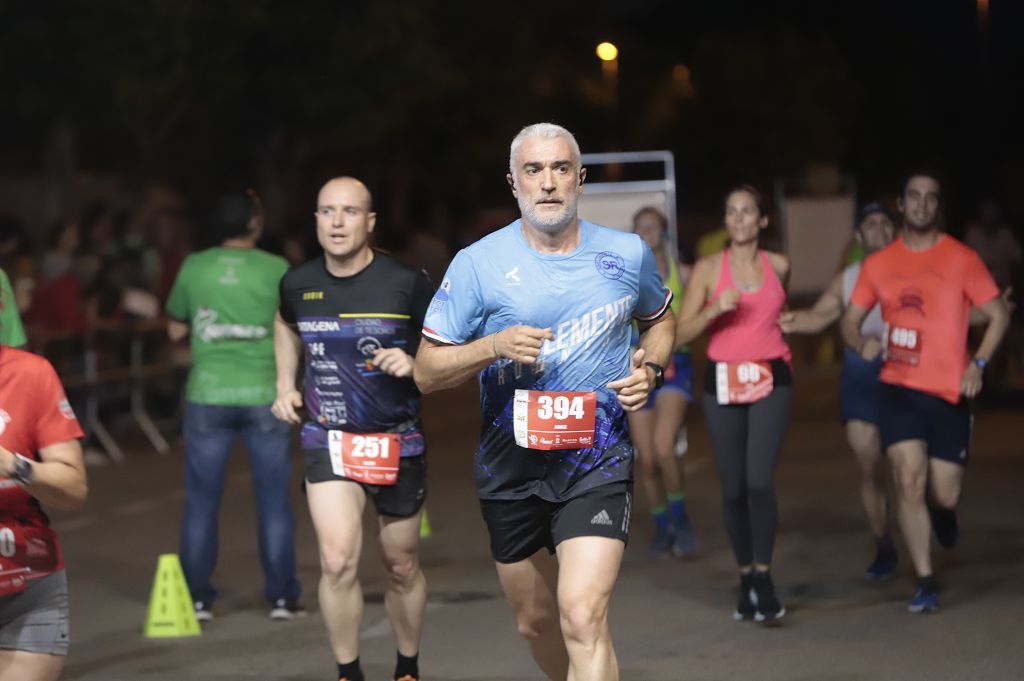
(548, 223)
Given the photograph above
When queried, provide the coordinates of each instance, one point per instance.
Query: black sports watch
(659, 374)
(23, 471)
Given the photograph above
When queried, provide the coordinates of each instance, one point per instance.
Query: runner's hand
(726, 302)
(521, 343)
(871, 350)
(633, 390)
(286, 406)
(786, 320)
(970, 383)
(393, 362)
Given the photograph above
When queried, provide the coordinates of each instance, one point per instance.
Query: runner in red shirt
(926, 283)
(40, 462)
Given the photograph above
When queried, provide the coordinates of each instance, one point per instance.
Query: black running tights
(747, 440)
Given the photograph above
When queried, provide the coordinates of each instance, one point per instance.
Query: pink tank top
(750, 332)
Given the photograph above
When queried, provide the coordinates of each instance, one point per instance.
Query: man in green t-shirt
(12, 333)
(224, 299)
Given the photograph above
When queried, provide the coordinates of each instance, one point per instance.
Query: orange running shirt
(926, 299)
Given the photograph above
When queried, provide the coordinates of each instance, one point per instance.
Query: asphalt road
(671, 619)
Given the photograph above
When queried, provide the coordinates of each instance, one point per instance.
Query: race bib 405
(903, 345)
(554, 420)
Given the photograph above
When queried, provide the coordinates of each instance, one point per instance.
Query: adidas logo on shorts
(602, 518)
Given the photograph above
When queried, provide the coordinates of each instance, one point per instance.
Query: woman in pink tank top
(736, 296)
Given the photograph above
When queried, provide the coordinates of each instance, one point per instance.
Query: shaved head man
(354, 314)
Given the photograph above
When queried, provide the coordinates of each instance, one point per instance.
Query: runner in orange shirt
(926, 283)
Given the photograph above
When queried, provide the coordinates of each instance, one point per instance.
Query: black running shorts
(908, 414)
(521, 527)
(401, 500)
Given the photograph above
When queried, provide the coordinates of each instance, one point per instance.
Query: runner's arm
(176, 330)
(978, 316)
(850, 327)
(827, 309)
(694, 315)
(780, 263)
(440, 366)
(656, 342)
(58, 480)
(287, 353)
(999, 320)
(657, 338)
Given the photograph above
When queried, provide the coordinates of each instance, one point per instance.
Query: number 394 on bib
(548, 420)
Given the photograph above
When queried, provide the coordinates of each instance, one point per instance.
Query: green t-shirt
(229, 296)
(12, 333)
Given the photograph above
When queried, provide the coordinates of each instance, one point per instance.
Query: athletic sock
(407, 666)
(928, 584)
(884, 545)
(351, 671)
(677, 506)
(660, 515)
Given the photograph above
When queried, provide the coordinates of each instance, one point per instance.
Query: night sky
(421, 99)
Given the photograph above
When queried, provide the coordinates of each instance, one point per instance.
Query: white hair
(544, 131)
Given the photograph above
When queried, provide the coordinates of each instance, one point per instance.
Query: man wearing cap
(859, 385)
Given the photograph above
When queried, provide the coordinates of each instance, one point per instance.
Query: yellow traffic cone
(171, 612)
(424, 525)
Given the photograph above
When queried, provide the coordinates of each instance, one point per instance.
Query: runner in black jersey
(355, 315)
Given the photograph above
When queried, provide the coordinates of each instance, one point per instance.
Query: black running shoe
(768, 607)
(745, 609)
(945, 525)
(884, 564)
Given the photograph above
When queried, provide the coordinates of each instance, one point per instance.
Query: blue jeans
(210, 432)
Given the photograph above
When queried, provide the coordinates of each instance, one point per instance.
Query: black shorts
(401, 500)
(908, 414)
(521, 527)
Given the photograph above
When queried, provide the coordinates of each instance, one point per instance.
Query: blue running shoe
(685, 543)
(924, 602)
(883, 566)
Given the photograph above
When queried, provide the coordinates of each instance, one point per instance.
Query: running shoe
(945, 525)
(685, 543)
(203, 612)
(924, 601)
(768, 607)
(745, 608)
(285, 610)
(661, 544)
(883, 566)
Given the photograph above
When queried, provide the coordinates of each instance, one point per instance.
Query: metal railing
(130, 354)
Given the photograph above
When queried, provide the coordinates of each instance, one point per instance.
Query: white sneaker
(203, 612)
(285, 610)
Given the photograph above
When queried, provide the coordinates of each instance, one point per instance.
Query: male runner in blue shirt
(541, 309)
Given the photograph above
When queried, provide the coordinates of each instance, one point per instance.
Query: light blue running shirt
(588, 298)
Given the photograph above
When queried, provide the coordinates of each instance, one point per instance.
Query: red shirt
(926, 298)
(34, 413)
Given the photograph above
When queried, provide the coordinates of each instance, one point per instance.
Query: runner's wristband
(494, 345)
(23, 472)
(981, 362)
